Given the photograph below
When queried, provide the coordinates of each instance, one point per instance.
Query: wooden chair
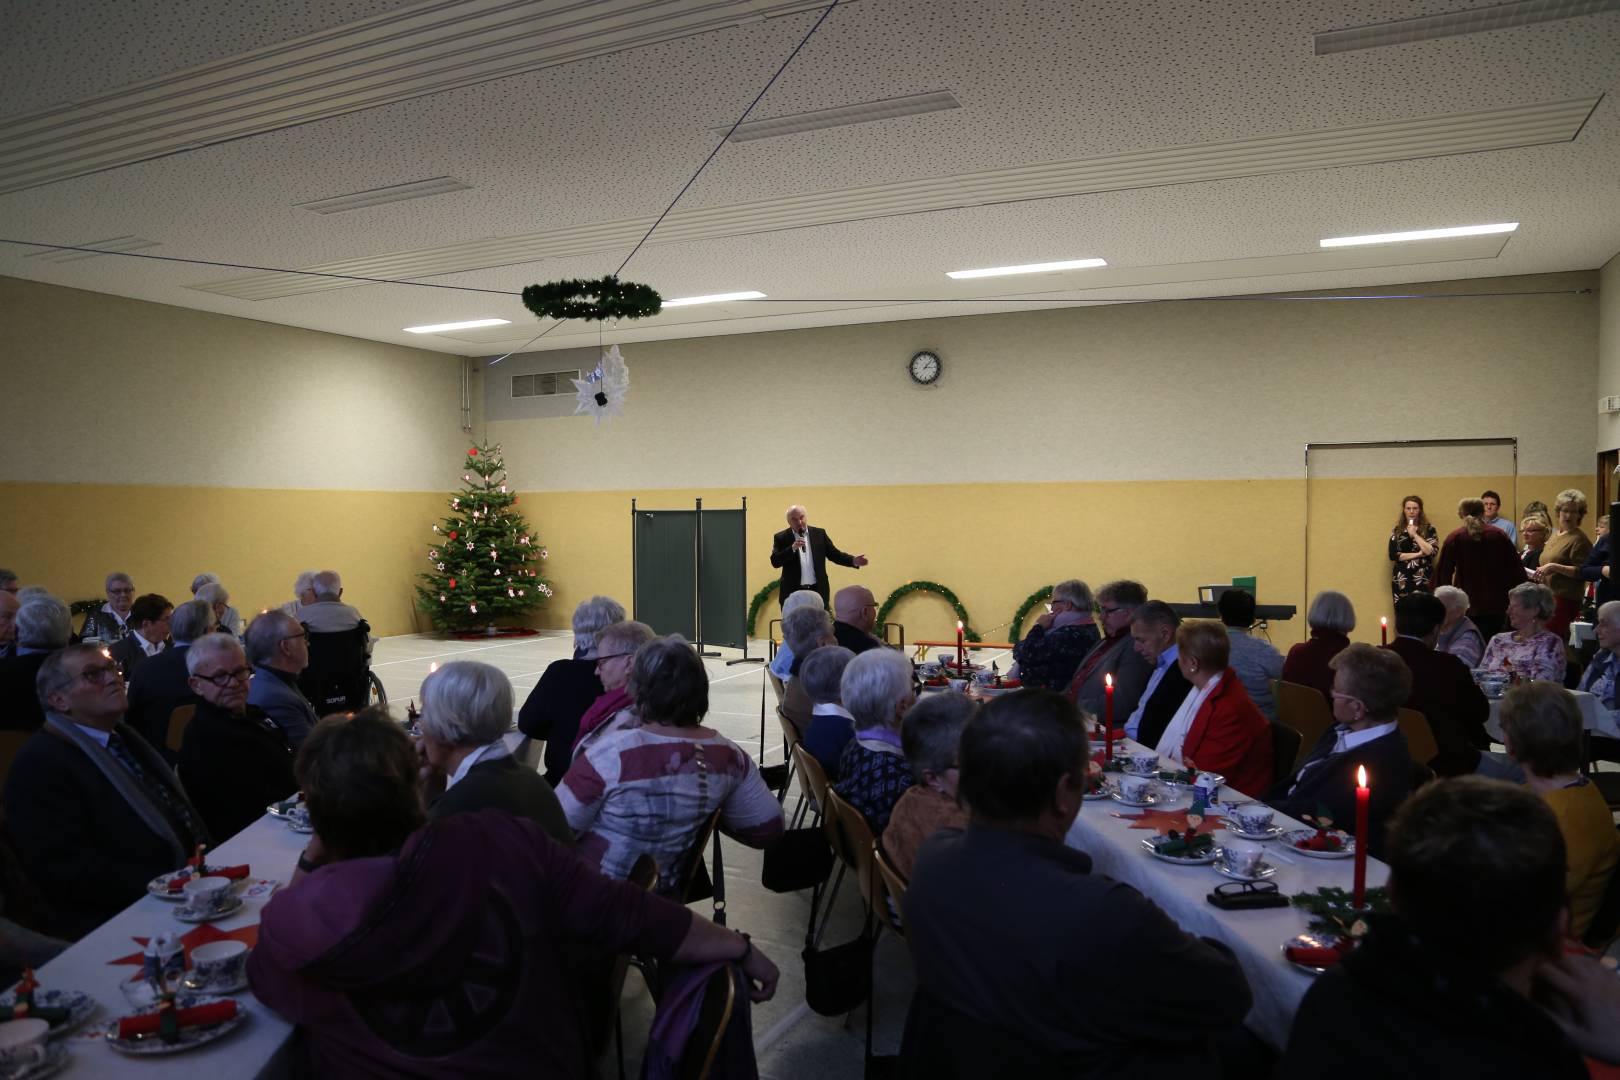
(10, 743)
(776, 684)
(178, 720)
(894, 889)
(815, 779)
(812, 776)
(693, 857)
(714, 1016)
(790, 738)
(1420, 742)
(643, 875)
(797, 707)
(1304, 709)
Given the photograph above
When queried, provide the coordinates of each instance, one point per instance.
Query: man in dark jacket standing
(801, 552)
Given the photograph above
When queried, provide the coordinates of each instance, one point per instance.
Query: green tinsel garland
(1041, 595)
(79, 607)
(610, 299)
(1331, 911)
(934, 587)
(761, 598)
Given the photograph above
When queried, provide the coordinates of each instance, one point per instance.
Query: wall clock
(925, 368)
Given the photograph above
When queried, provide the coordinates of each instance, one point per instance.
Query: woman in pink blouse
(1529, 650)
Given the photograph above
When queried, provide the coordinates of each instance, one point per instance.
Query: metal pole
(746, 659)
(697, 582)
(634, 581)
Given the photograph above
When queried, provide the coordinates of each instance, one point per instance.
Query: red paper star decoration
(204, 934)
(1163, 821)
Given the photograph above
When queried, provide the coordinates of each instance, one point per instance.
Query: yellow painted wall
(995, 544)
(66, 537)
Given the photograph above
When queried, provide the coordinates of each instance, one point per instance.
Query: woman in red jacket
(1218, 728)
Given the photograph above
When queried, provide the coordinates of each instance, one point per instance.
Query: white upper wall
(1193, 390)
(103, 389)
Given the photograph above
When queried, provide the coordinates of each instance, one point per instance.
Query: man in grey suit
(278, 649)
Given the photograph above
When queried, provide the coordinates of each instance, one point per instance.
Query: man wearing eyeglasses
(278, 648)
(234, 759)
(91, 808)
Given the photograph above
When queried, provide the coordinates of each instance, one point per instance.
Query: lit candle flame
(1361, 776)
(1383, 620)
(433, 667)
(1109, 679)
(959, 624)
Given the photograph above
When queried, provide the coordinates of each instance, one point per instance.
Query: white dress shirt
(807, 565)
(148, 647)
(1344, 742)
(488, 752)
(1174, 735)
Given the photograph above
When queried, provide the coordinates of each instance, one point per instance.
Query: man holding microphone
(801, 552)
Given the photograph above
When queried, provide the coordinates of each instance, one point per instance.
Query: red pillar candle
(1363, 798)
(1108, 718)
(1383, 629)
(961, 652)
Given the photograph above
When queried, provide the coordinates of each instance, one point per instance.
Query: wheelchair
(339, 677)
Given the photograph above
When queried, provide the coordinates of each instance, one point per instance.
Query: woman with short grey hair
(466, 712)
(1458, 634)
(805, 630)
(821, 677)
(782, 662)
(568, 688)
(44, 624)
(1331, 617)
(1529, 650)
(110, 622)
(932, 741)
(873, 772)
(216, 596)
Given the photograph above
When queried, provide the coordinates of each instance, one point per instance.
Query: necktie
(174, 807)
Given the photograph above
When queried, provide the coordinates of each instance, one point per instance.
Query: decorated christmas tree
(484, 557)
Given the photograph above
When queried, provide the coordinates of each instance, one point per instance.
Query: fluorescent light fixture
(416, 189)
(1027, 268)
(1452, 23)
(865, 112)
(470, 324)
(716, 298)
(1420, 234)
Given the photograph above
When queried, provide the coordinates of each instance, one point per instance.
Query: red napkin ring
(215, 1012)
(235, 873)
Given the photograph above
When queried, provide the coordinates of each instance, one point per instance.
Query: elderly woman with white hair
(1331, 617)
(466, 711)
(647, 788)
(1458, 634)
(782, 665)
(568, 687)
(230, 620)
(873, 772)
(1600, 676)
(110, 622)
(43, 626)
(303, 592)
(1529, 650)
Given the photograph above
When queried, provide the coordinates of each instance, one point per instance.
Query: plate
(1269, 833)
(151, 1045)
(241, 983)
(56, 1059)
(187, 914)
(1154, 798)
(1101, 793)
(1198, 860)
(294, 827)
(80, 1006)
(1294, 835)
(1266, 870)
(1308, 941)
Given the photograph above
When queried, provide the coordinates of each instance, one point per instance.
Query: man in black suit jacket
(1153, 635)
(1369, 685)
(854, 615)
(93, 812)
(162, 684)
(801, 552)
(1444, 692)
(149, 615)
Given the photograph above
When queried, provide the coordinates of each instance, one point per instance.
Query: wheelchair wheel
(375, 695)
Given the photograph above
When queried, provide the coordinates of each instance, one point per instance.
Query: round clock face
(925, 368)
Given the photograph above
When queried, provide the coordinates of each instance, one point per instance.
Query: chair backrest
(1285, 744)
(1419, 736)
(598, 1018)
(892, 887)
(855, 843)
(10, 743)
(797, 706)
(791, 732)
(178, 719)
(714, 1016)
(1304, 709)
(693, 856)
(776, 684)
(813, 775)
(336, 679)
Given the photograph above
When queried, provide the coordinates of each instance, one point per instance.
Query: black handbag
(800, 860)
(838, 980)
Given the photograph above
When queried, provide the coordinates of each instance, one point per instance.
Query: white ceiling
(1202, 148)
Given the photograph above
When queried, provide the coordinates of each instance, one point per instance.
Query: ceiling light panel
(470, 324)
(1398, 140)
(360, 200)
(843, 116)
(714, 298)
(1026, 268)
(1454, 23)
(116, 245)
(1419, 234)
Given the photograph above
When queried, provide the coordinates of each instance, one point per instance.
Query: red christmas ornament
(452, 583)
(473, 452)
(452, 534)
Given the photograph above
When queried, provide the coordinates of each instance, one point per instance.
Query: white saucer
(186, 913)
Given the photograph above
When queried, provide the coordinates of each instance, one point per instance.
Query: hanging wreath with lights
(595, 300)
(1040, 595)
(939, 590)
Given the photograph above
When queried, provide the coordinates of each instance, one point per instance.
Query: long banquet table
(1594, 717)
(1255, 937)
(261, 1046)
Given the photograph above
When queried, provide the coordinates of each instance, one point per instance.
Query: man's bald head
(796, 517)
(855, 605)
(8, 617)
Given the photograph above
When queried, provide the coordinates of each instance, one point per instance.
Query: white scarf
(1174, 735)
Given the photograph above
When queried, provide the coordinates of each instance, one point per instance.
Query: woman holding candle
(1218, 727)
(1413, 544)
(1528, 650)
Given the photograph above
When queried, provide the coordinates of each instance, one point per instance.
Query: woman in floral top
(1529, 650)
(873, 772)
(1412, 545)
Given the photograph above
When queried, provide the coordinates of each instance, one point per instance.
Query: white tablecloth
(1256, 937)
(1594, 717)
(262, 1046)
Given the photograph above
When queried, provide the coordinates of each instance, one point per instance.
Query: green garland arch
(1016, 631)
(761, 598)
(610, 298)
(934, 587)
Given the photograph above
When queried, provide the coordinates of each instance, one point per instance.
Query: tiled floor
(792, 1041)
